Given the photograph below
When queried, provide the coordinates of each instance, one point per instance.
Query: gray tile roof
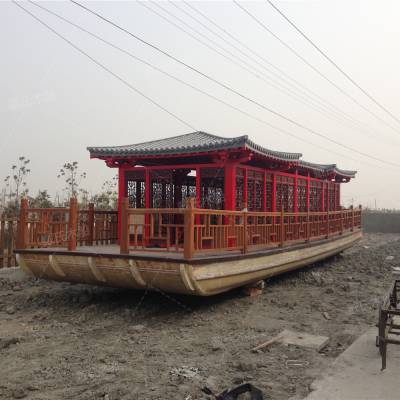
(327, 168)
(206, 142)
(185, 144)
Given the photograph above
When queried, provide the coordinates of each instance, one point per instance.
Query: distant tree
(72, 178)
(42, 200)
(15, 184)
(107, 199)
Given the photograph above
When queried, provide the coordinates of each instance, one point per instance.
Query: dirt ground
(62, 341)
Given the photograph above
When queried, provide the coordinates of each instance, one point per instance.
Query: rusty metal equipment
(388, 329)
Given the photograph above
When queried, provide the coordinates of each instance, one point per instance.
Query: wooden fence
(195, 231)
(8, 233)
(65, 227)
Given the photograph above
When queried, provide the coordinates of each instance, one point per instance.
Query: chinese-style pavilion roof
(202, 142)
(327, 169)
(189, 143)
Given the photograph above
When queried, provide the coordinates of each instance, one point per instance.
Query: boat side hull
(202, 277)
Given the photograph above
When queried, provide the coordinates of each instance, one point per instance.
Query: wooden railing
(196, 231)
(65, 227)
(8, 229)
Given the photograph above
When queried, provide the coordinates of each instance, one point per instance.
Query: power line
(105, 68)
(282, 88)
(333, 62)
(188, 84)
(298, 55)
(286, 77)
(288, 119)
(256, 73)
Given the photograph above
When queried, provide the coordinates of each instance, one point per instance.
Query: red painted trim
(178, 166)
(198, 187)
(296, 201)
(265, 192)
(148, 188)
(274, 192)
(308, 193)
(121, 195)
(230, 185)
(245, 187)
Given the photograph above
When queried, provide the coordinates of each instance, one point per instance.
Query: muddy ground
(62, 341)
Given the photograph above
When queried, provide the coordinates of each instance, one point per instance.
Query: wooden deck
(113, 251)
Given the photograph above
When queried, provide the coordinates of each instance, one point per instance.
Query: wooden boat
(237, 214)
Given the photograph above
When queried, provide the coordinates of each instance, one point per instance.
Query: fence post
(282, 227)
(245, 227)
(308, 225)
(341, 221)
(327, 224)
(90, 224)
(72, 223)
(188, 241)
(352, 218)
(22, 236)
(124, 239)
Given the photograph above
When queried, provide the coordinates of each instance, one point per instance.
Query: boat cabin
(221, 174)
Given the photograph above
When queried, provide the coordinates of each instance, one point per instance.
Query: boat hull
(203, 277)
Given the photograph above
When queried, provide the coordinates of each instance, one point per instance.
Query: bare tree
(15, 184)
(107, 199)
(72, 178)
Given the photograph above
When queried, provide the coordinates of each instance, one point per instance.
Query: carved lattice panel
(212, 188)
(162, 195)
(302, 195)
(284, 193)
(239, 188)
(315, 196)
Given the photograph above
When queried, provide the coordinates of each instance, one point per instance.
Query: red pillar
(323, 197)
(198, 187)
(296, 200)
(230, 185)
(274, 192)
(265, 192)
(308, 193)
(148, 188)
(121, 195)
(245, 190)
(147, 204)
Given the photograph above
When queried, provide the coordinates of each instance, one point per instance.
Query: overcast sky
(55, 102)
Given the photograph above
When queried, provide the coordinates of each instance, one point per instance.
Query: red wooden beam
(245, 199)
(198, 187)
(274, 192)
(121, 195)
(230, 185)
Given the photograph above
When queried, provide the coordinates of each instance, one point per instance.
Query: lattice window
(302, 195)
(315, 195)
(284, 193)
(136, 194)
(212, 188)
(135, 188)
(162, 195)
(239, 188)
(330, 196)
(269, 190)
(337, 196)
